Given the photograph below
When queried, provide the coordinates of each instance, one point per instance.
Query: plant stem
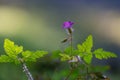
(71, 44)
(25, 69)
(27, 72)
(69, 31)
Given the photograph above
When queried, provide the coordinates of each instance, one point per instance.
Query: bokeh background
(36, 24)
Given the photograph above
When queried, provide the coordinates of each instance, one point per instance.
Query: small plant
(79, 59)
(15, 53)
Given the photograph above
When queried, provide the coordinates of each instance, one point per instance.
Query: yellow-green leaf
(88, 58)
(11, 49)
(101, 54)
(80, 48)
(88, 44)
(65, 57)
(32, 56)
(5, 58)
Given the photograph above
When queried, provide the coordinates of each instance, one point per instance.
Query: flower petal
(67, 24)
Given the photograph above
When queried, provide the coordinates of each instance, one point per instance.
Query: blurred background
(36, 24)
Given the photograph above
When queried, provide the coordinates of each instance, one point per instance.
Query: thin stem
(25, 69)
(69, 31)
(71, 43)
(27, 72)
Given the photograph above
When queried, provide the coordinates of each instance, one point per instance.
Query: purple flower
(67, 24)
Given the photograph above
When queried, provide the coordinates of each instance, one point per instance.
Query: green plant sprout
(82, 56)
(15, 53)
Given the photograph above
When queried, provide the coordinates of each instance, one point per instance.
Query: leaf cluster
(85, 52)
(15, 53)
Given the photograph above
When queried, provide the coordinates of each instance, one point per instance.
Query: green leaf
(101, 54)
(84, 49)
(5, 58)
(32, 56)
(27, 54)
(86, 46)
(80, 48)
(11, 49)
(88, 58)
(71, 51)
(65, 57)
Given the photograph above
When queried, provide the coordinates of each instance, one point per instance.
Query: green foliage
(11, 49)
(86, 45)
(5, 58)
(84, 50)
(64, 57)
(32, 56)
(15, 53)
(79, 67)
(70, 51)
(68, 54)
(88, 58)
(101, 54)
(79, 58)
